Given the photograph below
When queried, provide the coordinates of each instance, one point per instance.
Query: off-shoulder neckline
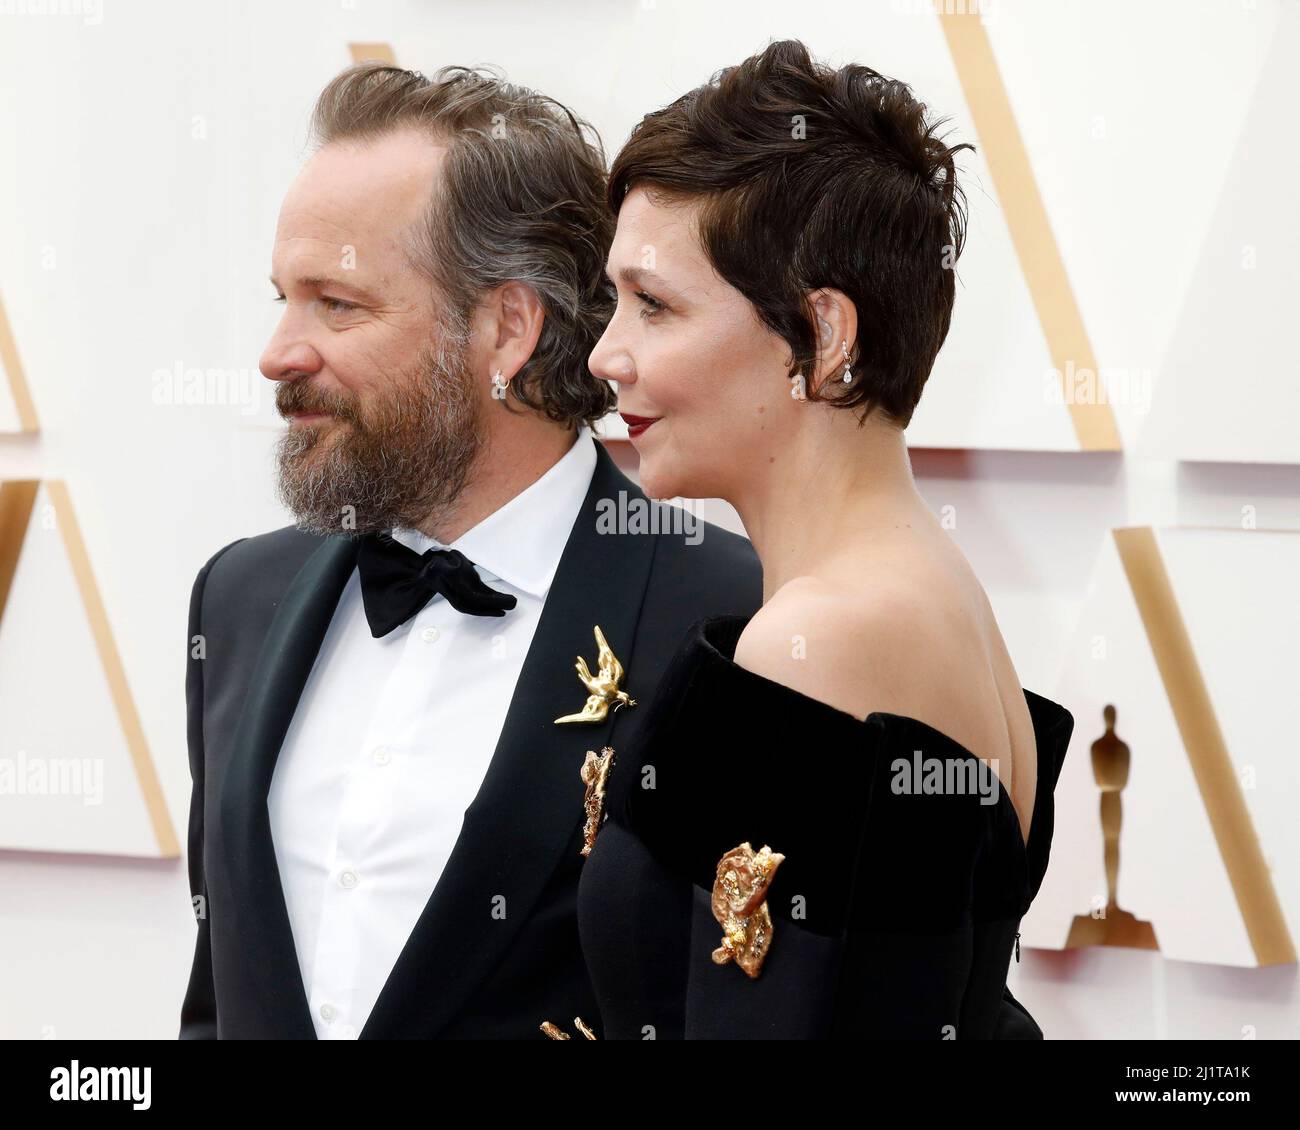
(700, 637)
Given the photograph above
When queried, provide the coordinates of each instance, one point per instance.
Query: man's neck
(509, 464)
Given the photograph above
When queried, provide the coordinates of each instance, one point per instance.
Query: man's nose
(289, 355)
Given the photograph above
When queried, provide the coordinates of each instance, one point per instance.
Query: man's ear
(837, 329)
(518, 315)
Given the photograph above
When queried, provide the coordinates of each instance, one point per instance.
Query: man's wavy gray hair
(522, 197)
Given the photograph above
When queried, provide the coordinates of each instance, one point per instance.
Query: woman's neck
(830, 486)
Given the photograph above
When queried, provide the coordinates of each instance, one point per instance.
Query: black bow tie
(396, 582)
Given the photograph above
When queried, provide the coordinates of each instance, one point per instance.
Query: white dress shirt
(390, 742)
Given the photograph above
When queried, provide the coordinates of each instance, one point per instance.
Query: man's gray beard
(406, 467)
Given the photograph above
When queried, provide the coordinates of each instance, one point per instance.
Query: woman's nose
(609, 361)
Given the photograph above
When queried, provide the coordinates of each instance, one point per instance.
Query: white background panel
(1170, 870)
(1233, 387)
(1131, 141)
(1231, 586)
(58, 713)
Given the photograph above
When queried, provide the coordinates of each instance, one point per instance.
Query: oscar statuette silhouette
(1110, 925)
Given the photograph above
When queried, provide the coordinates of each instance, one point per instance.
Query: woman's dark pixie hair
(810, 177)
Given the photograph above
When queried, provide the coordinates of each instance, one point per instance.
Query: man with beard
(388, 814)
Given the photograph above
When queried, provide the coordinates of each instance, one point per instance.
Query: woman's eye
(278, 298)
(650, 304)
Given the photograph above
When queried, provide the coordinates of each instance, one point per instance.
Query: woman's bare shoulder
(912, 635)
(887, 644)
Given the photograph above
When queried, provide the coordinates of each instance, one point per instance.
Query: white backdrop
(148, 143)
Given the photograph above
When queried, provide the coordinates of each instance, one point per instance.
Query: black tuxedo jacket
(262, 606)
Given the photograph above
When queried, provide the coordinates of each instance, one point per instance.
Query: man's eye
(336, 305)
(650, 304)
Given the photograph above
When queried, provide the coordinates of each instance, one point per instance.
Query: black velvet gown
(895, 913)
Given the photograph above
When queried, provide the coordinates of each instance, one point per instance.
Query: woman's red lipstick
(637, 424)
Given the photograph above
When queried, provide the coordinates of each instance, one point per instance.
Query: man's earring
(848, 373)
(499, 385)
(797, 387)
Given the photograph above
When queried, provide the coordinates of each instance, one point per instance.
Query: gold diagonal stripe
(363, 52)
(14, 371)
(111, 661)
(1026, 217)
(16, 501)
(1225, 804)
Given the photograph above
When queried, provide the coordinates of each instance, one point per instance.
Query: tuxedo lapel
(286, 659)
(528, 810)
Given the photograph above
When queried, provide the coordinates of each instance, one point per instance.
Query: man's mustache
(297, 397)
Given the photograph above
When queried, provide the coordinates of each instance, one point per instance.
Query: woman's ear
(837, 331)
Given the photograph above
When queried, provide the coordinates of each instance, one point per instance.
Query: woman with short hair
(840, 808)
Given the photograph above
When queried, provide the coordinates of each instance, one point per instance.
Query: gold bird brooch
(602, 687)
(555, 1032)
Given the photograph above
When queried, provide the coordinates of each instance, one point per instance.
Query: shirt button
(349, 878)
(381, 754)
(430, 634)
(327, 1012)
